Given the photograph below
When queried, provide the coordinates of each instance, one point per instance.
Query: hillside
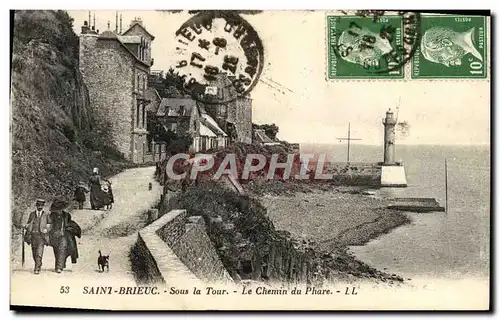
(55, 140)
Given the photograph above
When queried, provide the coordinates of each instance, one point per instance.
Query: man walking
(37, 233)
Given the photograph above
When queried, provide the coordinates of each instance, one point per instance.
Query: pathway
(112, 231)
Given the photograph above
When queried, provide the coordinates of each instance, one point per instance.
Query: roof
(130, 39)
(140, 25)
(261, 137)
(210, 122)
(171, 107)
(108, 35)
(205, 131)
(154, 97)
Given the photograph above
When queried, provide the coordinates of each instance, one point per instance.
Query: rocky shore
(333, 217)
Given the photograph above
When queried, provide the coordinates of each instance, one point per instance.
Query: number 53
(64, 289)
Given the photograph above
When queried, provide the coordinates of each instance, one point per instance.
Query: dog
(103, 262)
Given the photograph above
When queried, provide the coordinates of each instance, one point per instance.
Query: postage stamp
(359, 47)
(451, 47)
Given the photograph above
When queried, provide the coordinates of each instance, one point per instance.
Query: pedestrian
(79, 195)
(96, 194)
(110, 195)
(107, 194)
(37, 233)
(62, 235)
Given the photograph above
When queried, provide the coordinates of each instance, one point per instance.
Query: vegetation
(56, 140)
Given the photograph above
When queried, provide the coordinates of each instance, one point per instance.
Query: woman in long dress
(63, 233)
(96, 201)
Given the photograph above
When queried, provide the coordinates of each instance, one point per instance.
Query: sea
(446, 245)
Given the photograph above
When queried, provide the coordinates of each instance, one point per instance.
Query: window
(223, 110)
(144, 83)
(137, 82)
(181, 110)
(143, 116)
(137, 114)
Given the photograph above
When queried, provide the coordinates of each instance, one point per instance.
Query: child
(79, 196)
(108, 194)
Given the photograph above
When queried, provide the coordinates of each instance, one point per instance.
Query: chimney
(85, 27)
(116, 22)
(121, 30)
(136, 20)
(94, 21)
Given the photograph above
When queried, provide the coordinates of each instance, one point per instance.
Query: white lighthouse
(393, 174)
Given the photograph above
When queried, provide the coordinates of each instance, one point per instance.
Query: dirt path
(112, 231)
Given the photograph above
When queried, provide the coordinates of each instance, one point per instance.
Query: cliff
(55, 141)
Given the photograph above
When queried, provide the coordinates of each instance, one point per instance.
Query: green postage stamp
(363, 47)
(451, 47)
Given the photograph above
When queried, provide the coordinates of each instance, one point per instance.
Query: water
(449, 245)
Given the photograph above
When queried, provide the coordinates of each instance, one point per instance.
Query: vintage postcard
(250, 160)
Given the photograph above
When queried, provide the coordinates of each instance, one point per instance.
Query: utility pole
(348, 141)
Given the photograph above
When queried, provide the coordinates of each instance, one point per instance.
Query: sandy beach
(333, 218)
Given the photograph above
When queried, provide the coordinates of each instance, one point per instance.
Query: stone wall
(116, 83)
(172, 231)
(108, 73)
(175, 249)
(240, 112)
(355, 174)
(195, 250)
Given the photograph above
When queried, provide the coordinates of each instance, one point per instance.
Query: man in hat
(37, 232)
(60, 219)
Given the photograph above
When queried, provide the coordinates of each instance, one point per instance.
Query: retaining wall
(175, 250)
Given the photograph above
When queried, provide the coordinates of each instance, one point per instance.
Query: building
(184, 117)
(211, 125)
(233, 113)
(115, 66)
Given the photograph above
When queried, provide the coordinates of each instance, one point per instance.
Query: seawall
(176, 249)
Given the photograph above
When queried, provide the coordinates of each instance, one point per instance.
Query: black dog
(103, 262)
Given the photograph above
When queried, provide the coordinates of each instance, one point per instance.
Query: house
(226, 119)
(233, 113)
(185, 117)
(115, 66)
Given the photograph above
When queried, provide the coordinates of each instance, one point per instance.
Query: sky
(308, 108)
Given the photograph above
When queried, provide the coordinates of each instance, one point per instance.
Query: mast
(348, 141)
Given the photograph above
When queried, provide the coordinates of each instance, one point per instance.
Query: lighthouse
(393, 173)
(389, 137)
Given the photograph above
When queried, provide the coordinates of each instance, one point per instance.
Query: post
(348, 142)
(446, 185)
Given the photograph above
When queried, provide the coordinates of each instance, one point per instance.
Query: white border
(190, 4)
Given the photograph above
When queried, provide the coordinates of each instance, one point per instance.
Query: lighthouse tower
(393, 174)
(389, 137)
